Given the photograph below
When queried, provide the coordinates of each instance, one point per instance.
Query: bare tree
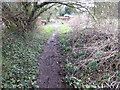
(22, 15)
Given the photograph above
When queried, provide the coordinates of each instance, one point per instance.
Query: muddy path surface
(50, 63)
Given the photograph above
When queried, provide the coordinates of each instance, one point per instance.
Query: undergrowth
(20, 55)
(92, 60)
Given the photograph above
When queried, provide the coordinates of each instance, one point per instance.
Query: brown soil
(50, 63)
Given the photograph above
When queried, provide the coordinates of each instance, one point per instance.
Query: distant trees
(68, 10)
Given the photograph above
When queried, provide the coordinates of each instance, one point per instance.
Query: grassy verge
(47, 30)
(63, 28)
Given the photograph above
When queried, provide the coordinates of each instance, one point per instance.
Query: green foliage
(92, 64)
(76, 55)
(79, 83)
(106, 76)
(68, 10)
(86, 71)
(75, 69)
(47, 30)
(68, 67)
(73, 81)
(19, 64)
(63, 28)
(65, 45)
(117, 75)
(68, 60)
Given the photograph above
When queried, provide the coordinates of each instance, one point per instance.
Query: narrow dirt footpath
(50, 60)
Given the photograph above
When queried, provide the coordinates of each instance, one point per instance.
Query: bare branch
(43, 10)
